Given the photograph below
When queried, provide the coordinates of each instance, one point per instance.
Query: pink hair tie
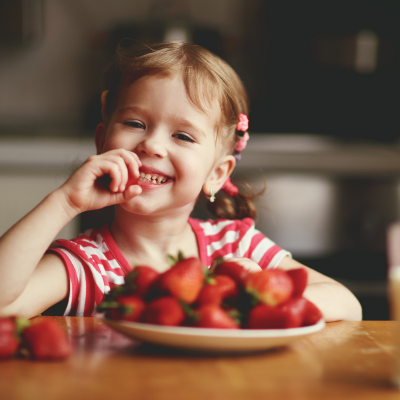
(243, 124)
(242, 143)
(103, 99)
(229, 188)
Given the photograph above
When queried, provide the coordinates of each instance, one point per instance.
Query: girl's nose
(152, 145)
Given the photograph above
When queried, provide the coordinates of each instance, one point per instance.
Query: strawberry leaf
(172, 260)
(130, 278)
(105, 305)
(253, 296)
(20, 324)
(215, 263)
(187, 309)
(125, 310)
(236, 315)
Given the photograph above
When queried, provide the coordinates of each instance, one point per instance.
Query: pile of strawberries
(227, 296)
(41, 339)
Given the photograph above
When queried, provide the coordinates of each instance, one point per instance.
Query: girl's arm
(31, 281)
(335, 301)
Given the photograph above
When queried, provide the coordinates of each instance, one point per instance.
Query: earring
(212, 195)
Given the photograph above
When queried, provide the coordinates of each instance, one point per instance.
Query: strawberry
(233, 270)
(184, 280)
(299, 278)
(10, 332)
(213, 316)
(294, 311)
(8, 345)
(7, 326)
(271, 287)
(264, 316)
(127, 308)
(140, 280)
(312, 314)
(46, 340)
(218, 289)
(163, 311)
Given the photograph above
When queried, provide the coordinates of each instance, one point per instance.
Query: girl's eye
(134, 124)
(184, 137)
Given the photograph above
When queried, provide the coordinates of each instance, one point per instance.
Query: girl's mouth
(153, 178)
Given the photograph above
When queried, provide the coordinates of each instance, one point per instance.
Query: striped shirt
(95, 264)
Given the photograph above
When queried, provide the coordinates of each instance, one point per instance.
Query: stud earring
(212, 195)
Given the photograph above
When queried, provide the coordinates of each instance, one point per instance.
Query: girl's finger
(128, 194)
(120, 160)
(112, 168)
(131, 160)
(133, 163)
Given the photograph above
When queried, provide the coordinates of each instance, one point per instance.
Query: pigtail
(238, 207)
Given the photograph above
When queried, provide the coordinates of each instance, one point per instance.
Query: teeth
(153, 178)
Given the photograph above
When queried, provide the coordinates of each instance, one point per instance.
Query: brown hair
(206, 78)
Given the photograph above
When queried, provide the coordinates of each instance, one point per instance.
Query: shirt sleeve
(239, 238)
(88, 281)
(258, 248)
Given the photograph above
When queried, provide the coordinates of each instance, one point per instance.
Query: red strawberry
(299, 277)
(129, 308)
(8, 345)
(212, 316)
(47, 341)
(184, 280)
(312, 314)
(141, 279)
(10, 329)
(233, 270)
(7, 326)
(272, 287)
(264, 316)
(163, 311)
(294, 311)
(218, 289)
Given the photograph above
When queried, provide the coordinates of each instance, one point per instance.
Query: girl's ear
(100, 137)
(219, 174)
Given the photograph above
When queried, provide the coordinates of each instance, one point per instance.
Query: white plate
(213, 340)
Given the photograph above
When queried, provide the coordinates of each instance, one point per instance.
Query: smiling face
(175, 141)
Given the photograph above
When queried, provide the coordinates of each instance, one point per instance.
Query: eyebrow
(186, 123)
(181, 121)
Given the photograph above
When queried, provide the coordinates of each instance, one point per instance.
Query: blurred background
(323, 79)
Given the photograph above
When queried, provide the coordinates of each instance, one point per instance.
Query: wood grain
(347, 360)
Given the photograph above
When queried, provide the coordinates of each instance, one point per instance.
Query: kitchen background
(323, 80)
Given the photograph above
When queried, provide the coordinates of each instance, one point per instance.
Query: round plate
(214, 340)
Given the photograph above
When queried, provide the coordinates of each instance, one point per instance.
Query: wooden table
(347, 360)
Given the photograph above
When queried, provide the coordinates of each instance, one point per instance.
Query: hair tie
(103, 100)
(243, 124)
(242, 143)
(229, 188)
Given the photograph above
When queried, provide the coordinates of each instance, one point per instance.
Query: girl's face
(174, 140)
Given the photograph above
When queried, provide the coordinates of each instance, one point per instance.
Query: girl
(174, 123)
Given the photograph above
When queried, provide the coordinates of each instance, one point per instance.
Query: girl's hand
(103, 180)
(246, 263)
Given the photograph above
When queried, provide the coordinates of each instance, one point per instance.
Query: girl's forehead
(168, 92)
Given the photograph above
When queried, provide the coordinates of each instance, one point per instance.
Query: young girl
(174, 123)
